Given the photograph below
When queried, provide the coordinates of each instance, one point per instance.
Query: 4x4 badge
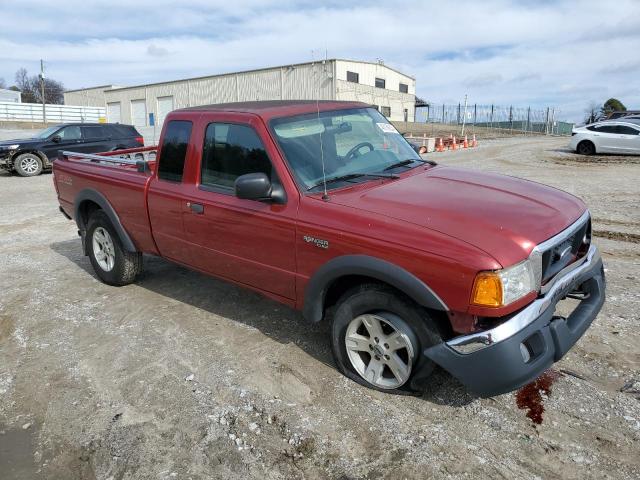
(316, 241)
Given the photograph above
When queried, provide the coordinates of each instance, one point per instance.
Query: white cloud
(562, 54)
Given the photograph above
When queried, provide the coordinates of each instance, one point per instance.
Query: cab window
(174, 150)
(230, 151)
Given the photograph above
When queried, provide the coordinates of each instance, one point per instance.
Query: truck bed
(121, 177)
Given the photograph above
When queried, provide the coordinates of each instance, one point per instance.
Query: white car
(607, 137)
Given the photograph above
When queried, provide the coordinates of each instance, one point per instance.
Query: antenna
(325, 196)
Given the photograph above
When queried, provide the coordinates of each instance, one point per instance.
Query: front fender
(389, 273)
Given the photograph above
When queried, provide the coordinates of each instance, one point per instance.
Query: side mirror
(253, 186)
(56, 139)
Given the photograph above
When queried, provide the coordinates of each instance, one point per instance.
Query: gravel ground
(183, 376)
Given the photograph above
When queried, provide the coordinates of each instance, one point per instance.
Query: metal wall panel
(262, 85)
(207, 91)
(308, 82)
(368, 72)
(88, 97)
(397, 101)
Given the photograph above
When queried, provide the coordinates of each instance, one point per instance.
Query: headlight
(13, 147)
(502, 287)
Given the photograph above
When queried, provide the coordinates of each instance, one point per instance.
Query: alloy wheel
(104, 249)
(29, 165)
(379, 350)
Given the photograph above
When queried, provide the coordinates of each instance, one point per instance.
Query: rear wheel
(112, 263)
(378, 336)
(586, 148)
(28, 165)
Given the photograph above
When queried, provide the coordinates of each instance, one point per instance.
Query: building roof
(106, 87)
(114, 88)
(277, 108)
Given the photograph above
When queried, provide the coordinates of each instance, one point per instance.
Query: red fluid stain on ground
(530, 396)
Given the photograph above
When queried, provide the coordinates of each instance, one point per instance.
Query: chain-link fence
(492, 120)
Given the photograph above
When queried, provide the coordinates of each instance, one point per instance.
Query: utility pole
(44, 105)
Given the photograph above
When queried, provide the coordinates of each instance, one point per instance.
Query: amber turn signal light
(487, 290)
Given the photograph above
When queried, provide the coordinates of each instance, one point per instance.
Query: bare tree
(31, 91)
(592, 113)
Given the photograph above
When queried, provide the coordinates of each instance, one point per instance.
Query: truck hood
(504, 216)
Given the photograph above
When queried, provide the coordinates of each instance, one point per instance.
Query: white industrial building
(10, 96)
(391, 91)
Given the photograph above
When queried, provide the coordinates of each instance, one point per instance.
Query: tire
(374, 360)
(111, 262)
(27, 165)
(586, 147)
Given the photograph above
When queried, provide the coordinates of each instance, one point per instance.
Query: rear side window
(119, 131)
(230, 151)
(174, 150)
(92, 133)
(623, 129)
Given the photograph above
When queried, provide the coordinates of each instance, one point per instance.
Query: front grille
(566, 251)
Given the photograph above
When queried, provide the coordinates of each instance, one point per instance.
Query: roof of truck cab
(276, 108)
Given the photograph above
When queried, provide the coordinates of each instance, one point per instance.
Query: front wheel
(112, 263)
(377, 339)
(28, 165)
(586, 148)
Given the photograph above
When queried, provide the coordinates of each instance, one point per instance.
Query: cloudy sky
(539, 53)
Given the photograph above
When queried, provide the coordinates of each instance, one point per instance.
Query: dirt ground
(183, 376)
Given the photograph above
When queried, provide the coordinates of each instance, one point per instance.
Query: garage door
(113, 112)
(139, 113)
(165, 105)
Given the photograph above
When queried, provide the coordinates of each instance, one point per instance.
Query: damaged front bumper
(518, 350)
(5, 160)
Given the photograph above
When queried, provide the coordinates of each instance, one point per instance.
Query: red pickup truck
(325, 207)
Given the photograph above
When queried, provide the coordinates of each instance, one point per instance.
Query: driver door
(70, 139)
(247, 241)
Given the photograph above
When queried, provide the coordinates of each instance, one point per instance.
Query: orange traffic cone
(465, 144)
(453, 144)
(474, 143)
(440, 147)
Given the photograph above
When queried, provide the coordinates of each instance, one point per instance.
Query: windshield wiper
(350, 176)
(408, 161)
(402, 163)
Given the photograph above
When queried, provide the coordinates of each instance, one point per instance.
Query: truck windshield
(355, 144)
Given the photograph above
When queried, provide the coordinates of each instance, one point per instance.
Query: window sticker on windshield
(387, 128)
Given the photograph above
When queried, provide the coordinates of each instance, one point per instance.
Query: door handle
(196, 207)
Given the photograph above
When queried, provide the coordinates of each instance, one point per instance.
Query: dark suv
(30, 156)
